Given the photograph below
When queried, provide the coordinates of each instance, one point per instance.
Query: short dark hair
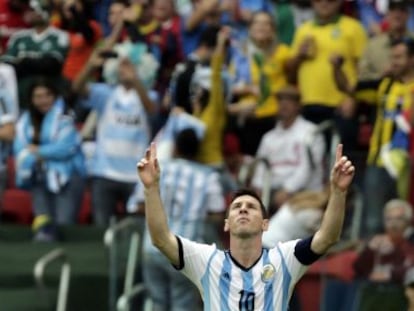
(208, 36)
(250, 192)
(187, 143)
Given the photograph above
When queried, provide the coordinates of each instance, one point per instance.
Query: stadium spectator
(386, 175)
(123, 132)
(294, 150)
(259, 71)
(49, 161)
(179, 91)
(385, 260)
(83, 32)
(207, 99)
(40, 50)
(387, 256)
(329, 35)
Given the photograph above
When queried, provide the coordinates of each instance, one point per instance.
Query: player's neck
(246, 251)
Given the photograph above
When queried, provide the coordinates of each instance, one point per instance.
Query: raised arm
(330, 231)
(161, 236)
(80, 84)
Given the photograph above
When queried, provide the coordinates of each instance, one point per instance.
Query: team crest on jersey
(268, 273)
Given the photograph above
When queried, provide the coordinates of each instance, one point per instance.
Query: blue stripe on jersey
(224, 283)
(247, 288)
(285, 282)
(268, 290)
(205, 282)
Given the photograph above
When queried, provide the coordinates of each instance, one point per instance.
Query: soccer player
(246, 277)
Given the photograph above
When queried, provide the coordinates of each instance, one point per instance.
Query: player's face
(245, 218)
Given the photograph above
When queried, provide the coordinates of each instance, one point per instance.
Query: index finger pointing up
(338, 152)
(153, 151)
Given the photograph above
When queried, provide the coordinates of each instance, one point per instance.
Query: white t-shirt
(227, 286)
(287, 224)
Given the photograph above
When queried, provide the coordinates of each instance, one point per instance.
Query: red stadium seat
(17, 206)
(11, 173)
(86, 209)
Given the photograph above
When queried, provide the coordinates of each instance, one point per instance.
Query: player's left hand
(342, 172)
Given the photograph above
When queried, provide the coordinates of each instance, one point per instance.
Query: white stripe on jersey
(226, 286)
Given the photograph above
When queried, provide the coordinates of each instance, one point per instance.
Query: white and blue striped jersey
(227, 286)
(123, 131)
(189, 191)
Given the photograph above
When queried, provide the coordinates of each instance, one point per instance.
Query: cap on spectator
(409, 277)
(397, 4)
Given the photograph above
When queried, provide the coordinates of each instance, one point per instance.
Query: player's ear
(226, 225)
(265, 224)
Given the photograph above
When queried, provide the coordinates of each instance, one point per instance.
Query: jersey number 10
(246, 302)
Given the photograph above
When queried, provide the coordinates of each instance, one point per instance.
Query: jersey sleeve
(194, 258)
(295, 268)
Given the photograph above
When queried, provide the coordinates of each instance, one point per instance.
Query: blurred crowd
(252, 93)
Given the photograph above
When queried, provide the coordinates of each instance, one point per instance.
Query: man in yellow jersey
(389, 143)
(329, 35)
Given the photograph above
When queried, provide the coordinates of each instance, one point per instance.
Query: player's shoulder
(190, 244)
(283, 247)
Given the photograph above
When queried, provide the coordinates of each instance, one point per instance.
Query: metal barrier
(39, 272)
(130, 290)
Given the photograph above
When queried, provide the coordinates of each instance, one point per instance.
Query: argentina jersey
(189, 191)
(227, 286)
(123, 131)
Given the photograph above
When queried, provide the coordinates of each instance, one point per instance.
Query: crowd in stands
(219, 85)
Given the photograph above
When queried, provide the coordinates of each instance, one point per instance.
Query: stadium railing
(39, 274)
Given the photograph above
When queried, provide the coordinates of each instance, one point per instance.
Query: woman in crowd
(49, 161)
(259, 71)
